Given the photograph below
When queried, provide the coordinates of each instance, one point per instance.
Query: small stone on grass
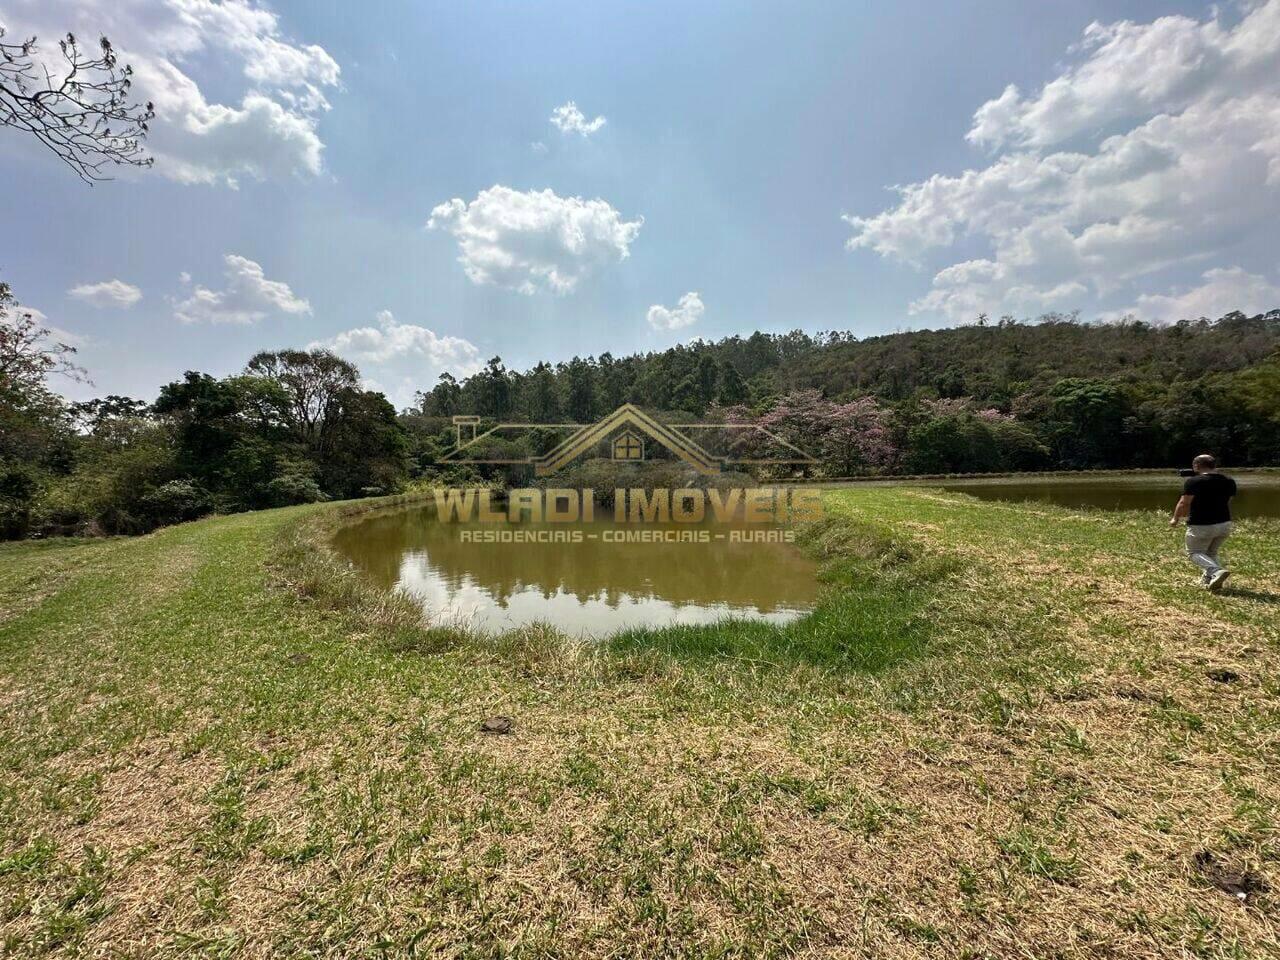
(496, 725)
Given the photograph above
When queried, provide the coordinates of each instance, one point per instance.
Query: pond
(592, 587)
(1259, 494)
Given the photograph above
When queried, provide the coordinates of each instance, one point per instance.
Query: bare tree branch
(83, 113)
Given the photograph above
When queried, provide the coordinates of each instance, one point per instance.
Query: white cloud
(403, 357)
(535, 240)
(1184, 165)
(569, 119)
(391, 340)
(686, 313)
(108, 293)
(1223, 289)
(1136, 70)
(247, 298)
(269, 129)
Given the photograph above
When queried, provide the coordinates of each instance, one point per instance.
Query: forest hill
(298, 426)
(630, 505)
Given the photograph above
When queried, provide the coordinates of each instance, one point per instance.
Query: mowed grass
(1009, 730)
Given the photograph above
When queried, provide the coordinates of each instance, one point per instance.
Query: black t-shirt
(1212, 493)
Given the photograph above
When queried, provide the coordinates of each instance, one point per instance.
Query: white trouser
(1203, 543)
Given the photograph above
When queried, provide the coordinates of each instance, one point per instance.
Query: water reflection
(1259, 494)
(593, 587)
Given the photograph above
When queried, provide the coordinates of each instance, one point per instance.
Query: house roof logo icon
(678, 439)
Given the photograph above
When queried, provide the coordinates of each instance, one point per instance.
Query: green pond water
(593, 587)
(1259, 492)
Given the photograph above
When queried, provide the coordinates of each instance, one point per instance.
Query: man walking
(1206, 503)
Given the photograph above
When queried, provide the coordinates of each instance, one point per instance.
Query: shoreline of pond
(1099, 474)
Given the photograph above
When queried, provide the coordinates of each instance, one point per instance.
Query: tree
(614, 380)
(103, 414)
(120, 487)
(494, 386)
(108, 425)
(541, 402)
(1258, 390)
(314, 382)
(369, 454)
(28, 353)
(848, 437)
(444, 400)
(708, 375)
(1087, 423)
(733, 390)
(247, 441)
(80, 110)
(33, 419)
(687, 395)
(351, 435)
(955, 442)
(35, 427)
(580, 390)
(221, 439)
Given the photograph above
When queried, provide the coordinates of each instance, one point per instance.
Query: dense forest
(1056, 393)
(297, 426)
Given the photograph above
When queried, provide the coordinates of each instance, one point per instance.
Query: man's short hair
(1205, 461)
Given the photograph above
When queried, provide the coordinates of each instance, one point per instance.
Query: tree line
(297, 426)
(293, 427)
(1056, 393)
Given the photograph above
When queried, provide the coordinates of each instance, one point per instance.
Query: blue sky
(302, 148)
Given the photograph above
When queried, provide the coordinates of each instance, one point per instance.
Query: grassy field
(1009, 731)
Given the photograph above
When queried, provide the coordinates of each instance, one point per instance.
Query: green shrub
(106, 492)
(19, 485)
(296, 484)
(175, 502)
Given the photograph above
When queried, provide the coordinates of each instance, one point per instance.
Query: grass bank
(1009, 730)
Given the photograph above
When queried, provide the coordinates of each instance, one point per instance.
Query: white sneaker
(1217, 580)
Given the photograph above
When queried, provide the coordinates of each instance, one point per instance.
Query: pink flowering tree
(847, 437)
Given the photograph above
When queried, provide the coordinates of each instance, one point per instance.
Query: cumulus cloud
(108, 293)
(1223, 289)
(685, 313)
(569, 119)
(391, 340)
(1133, 70)
(247, 297)
(399, 358)
(267, 129)
(1174, 128)
(535, 240)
